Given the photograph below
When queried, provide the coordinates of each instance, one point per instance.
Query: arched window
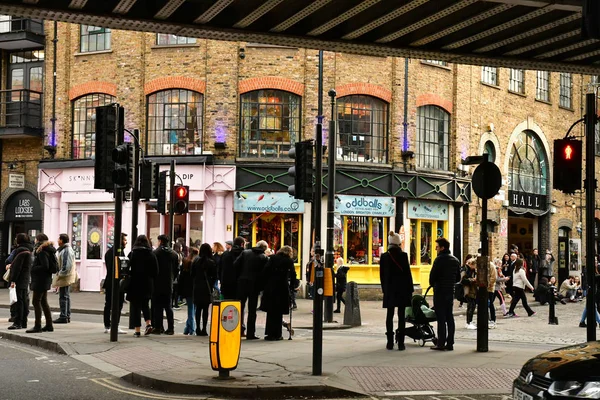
(362, 129)
(490, 149)
(528, 165)
(270, 123)
(433, 128)
(84, 123)
(174, 125)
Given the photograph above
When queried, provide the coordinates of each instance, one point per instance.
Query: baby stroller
(419, 315)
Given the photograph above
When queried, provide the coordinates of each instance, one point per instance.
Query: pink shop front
(72, 205)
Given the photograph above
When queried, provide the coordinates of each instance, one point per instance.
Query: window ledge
(446, 67)
(91, 53)
(174, 46)
(566, 108)
(543, 101)
(283, 160)
(490, 85)
(363, 164)
(517, 93)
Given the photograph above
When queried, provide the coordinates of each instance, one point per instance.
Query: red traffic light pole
(590, 199)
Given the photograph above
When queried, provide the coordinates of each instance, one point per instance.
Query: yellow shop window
(360, 239)
(423, 234)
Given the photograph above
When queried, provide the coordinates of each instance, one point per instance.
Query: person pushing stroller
(397, 286)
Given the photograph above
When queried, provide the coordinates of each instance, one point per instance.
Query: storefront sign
(23, 206)
(78, 179)
(527, 200)
(16, 181)
(418, 209)
(258, 202)
(365, 205)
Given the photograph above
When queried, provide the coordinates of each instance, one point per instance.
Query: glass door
(92, 269)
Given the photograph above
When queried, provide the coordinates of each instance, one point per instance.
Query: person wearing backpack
(44, 263)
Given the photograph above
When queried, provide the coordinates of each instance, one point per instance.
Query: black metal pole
(52, 143)
(329, 261)
(317, 360)
(482, 292)
(115, 309)
(590, 200)
(135, 200)
(171, 205)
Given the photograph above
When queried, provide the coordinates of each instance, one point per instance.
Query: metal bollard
(352, 308)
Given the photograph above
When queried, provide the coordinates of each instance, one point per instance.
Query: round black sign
(487, 180)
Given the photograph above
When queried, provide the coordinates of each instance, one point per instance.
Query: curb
(36, 342)
(73, 310)
(258, 391)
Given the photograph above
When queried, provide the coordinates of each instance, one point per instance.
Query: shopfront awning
(529, 34)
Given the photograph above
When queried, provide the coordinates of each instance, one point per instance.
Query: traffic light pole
(135, 199)
(590, 200)
(171, 202)
(331, 151)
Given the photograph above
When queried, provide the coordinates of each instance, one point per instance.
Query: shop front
(270, 216)
(427, 221)
(361, 227)
(22, 214)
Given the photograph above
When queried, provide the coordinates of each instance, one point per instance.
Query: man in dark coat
(228, 274)
(276, 300)
(20, 274)
(249, 267)
(163, 286)
(144, 270)
(508, 272)
(445, 273)
(109, 260)
(397, 286)
(533, 268)
(41, 280)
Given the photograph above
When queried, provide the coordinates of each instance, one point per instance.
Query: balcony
(21, 33)
(21, 114)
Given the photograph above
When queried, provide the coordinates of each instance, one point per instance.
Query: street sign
(487, 180)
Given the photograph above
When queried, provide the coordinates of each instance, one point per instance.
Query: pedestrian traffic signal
(161, 203)
(302, 153)
(149, 180)
(181, 199)
(567, 165)
(105, 138)
(123, 173)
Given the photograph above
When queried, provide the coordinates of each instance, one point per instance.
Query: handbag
(214, 293)
(124, 284)
(6, 276)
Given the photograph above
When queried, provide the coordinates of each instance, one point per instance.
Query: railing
(20, 25)
(20, 108)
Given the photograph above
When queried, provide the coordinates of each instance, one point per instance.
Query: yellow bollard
(225, 336)
(328, 282)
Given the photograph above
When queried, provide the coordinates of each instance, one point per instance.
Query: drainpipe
(51, 147)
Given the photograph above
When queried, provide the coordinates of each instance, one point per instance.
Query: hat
(394, 238)
(229, 242)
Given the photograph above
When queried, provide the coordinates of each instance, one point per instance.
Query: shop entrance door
(92, 269)
(521, 233)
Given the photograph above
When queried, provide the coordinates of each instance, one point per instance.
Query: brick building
(228, 112)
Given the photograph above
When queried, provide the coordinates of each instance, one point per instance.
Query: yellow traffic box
(225, 336)
(328, 282)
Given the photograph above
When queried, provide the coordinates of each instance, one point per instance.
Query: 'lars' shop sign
(527, 200)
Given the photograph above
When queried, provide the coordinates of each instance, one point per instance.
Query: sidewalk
(354, 361)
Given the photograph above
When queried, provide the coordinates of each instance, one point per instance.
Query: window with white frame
(433, 132)
(174, 123)
(167, 39)
(436, 62)
(565, 90)
(362, 129)
(489, 75)
(516, 81)
(542, 89)
(84, 123)
(94, 38)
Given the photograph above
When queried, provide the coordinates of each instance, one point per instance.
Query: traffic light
(302, 153)
(106, 135)
(181, 199)
(161, 204)
(567, 165)
(123, 173)
(149, 180)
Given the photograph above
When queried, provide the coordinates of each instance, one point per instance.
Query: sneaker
(581, 325)
(492, 325)
(176, 308)
(121, 331)
(137, 334)
(106, 330)
(471, 326)
(148, 330)
(532, 314)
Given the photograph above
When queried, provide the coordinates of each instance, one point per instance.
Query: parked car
(567, 373)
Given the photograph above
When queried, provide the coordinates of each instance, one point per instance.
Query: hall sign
(527, 200)
(23, 206)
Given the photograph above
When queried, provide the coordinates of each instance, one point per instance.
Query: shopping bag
(12, 293)
(6, 276)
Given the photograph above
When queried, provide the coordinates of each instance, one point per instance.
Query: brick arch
(434, 99)
(92, 87)
(271, 82)
(364, 88)
(175, 82)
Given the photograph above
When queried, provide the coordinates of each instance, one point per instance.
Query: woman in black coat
(20, 275)
(41, 280)
(277, 275)
(397, 287)
(204, 275)
(186, 290)
(143, 269)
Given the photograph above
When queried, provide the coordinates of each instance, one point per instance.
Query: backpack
(52, 264)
